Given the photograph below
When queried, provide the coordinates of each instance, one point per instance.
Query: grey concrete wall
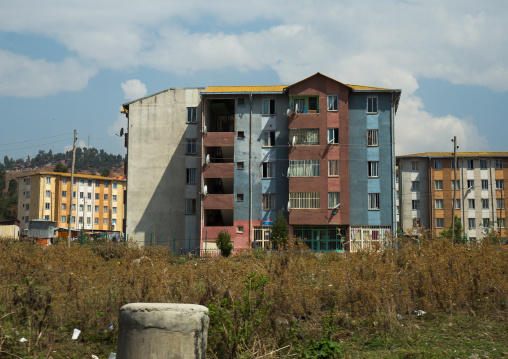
(157, 162)
(406, 196)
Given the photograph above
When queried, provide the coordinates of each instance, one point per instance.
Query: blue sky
(68, 65)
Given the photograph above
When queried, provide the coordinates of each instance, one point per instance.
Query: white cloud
(133, 89)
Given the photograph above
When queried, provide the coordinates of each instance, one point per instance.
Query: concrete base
(162, 330)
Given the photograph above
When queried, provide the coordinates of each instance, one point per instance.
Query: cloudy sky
(68, 65)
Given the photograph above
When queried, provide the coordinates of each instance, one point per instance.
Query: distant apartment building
(427, 183)
(229, 158)
(97, 202)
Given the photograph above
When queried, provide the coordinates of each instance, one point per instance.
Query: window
(89, 208)
(27, 194)
(64, 206)
(97, 196)
(268, 200)
(114, 198)
(239, 229)
(62, 219)
(104, 221)
(64, 194)
(313, 104)
(48, 205)
(333, 102)
(453, 164)
(470, 164)
(240, 135)
(371, 104)
(82, 182)
(485, 184)
(472, 222)
(64, 181)
(438, 185)
(486, 222)
(416, 204)
(240, 101)
(373, 169)
(304, 168)
(74, 206)
(89, 183)
(304, 136)
(470, 184)
(455, 185)
(46, 217)
(439, 222)
(81, 195)
(483, 164)
(113, 210)
(191, 147)
(470, 203)
(333, 200)
(97, 183)
(81, 208)
(415, 186)
(500, 203)
(192, 114)
(268, 107)
(499, 164)
(27, 207)
(300, 200)
(190, 206)
(485, 203)
(115, 185)
(96, 208)
(499, 184)
(501, 223)
(89, 195)
(268, 138)
(73, 219)
(372, 138)
(438, 164)
(105, 209)
(75, 181)
(48, 180)
(416, 222)
(88, 220)
(298, 105)
(457, 203)
(373, 201)
(239, 197)
(333, 168)
(48, 193)
(439, 204)
(333, 136)
(240, 166)
(414, 165)
(268, 170)
(96, 220)
(80, 219)
(191, 176)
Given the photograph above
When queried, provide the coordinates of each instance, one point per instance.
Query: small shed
(41, 230)
(9, 229)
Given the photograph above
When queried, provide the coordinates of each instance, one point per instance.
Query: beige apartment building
(94, 203)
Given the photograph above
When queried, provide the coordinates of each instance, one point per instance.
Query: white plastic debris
(75, 334)
(23, 340)
(419, 312)
(112, 356)
(95, 357)
(400, 316)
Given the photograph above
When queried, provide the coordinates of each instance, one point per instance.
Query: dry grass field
(294, 303)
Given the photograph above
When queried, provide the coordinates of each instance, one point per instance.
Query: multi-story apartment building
(97, 202)
(429, 183)
(319, 150)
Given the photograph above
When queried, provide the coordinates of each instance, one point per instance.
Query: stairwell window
(333, 168)
(500, 184)
(470, 184)
(373, 169)
(439, 222)
(373, 201)
(438, 164)
(333, 136)
(483, 164)
(439, 204)
(470, 164)
(371, 104)
(472, 222)
(268, 107)
(191, 148)
(333, 200)
(190, 206)
(485, 184)
(455, 185)
(268, 170)
(471, 203)
(268, 138)
(486, 222)
(501, 223)
(500, 203)
(499, 164)
(414, 165)
(438, 185)
(190, 176)
(415, 186)
(415, 204)
(333, 102)
(372, 138)
(485, 203)
(268, 201)
(192, 114)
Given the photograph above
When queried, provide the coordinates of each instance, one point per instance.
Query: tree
(13, 188)
(457, 230)
(2, 182)
(60, 168)
(223, 242)
(105, 172)
(280, 231)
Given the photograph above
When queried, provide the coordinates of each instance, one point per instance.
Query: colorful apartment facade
(319, 150)
(429, 184)
(92, 203)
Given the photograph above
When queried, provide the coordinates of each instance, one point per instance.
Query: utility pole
(454, 184)
(72, 187)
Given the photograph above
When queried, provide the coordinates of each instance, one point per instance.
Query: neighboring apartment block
(97, 202)
(427, 182)
(229, 158)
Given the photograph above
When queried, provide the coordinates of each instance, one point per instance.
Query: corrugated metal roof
(459, 154)
(244, 89)
(369, 88)
(81, 176)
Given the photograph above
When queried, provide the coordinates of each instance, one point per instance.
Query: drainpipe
(392, 144)
(250, 171)
(201, 211)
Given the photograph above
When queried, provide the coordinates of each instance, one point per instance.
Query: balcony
(218, 218)
(219, 170)
(218, 201)
(219, 139)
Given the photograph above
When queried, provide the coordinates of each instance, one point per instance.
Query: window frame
(190, 206)
(304, 200)
(415, 186)
(268, 138)
(471, 222)
(373, 201)
(191, 147)
(332, 100)
(438, 203)
(373, 138)
(304, 168)
(192, 115)
(268, 170)
(485, 203)
(372, 104)
(436, 187)
(333, 167)
(499, 164)
(304, 136)
(190, 176)
(268, 201)
(415, 204)
(471, 203)
(332, 137)
(373, 169)
(485, 184)
(499, 184)
(439, 222)
(415, 165)
(438, 165)
(270, 109)
(333, 200)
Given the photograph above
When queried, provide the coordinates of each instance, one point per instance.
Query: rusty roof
(459, 154)
(80, 176)
(245, 89)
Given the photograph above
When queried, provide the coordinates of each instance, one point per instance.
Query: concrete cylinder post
(162, 330)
